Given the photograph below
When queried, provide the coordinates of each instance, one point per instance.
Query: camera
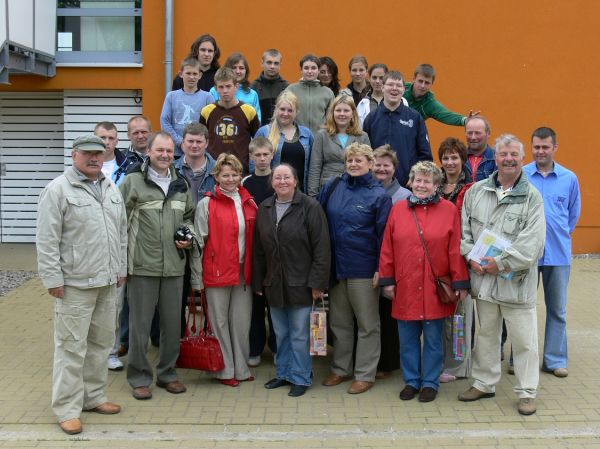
(183, 234)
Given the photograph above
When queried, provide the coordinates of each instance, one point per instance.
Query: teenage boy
(259, 186)
(419, 96)
(269, 84)
(231, 123)
(183, 106)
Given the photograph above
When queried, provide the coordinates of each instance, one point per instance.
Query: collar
(83, 178)
(414, 201)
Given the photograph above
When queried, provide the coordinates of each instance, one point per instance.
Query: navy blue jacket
(357, 211)
(485, 168)
(404, 129)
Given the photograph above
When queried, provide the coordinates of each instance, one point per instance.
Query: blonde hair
(354, 126)
(227, 159)
(275, 132)
(426, 168)
(359, 149)
(386, 151)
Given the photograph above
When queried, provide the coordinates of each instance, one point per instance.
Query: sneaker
(253, 362)
(473, 394)
(526, 406)
(114, 364)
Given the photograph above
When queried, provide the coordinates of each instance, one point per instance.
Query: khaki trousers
(83, 335)
(230, 310)
(348, 299)
(522, 330)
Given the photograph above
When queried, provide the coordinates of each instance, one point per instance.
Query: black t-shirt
(293, 153)
(259, 187)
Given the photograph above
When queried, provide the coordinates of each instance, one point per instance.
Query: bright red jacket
(221, 256)
(403, 262)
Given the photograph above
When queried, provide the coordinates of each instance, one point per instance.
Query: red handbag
(200, 351)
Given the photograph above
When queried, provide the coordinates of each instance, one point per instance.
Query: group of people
(335, 193)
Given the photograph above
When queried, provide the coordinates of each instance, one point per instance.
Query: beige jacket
(81, 240)
(519, 217)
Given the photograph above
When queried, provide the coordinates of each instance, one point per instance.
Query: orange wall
(520, 62)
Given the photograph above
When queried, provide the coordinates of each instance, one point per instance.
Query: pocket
(80, 209)
(512, 223)
(68, 323)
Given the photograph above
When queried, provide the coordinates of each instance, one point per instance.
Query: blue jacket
(404, 129)
(306, 139)
(208, 183)
(487, 166)
(125, 161)
(357, 211)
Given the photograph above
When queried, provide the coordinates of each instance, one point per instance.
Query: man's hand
(317, 294)
(490, 267)
(473, 113)
(57, 292)
(121, 281)
(389, 291)
(376, 279)
(478, 269)
(183, 245)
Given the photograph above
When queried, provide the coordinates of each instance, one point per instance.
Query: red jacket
(403, 261)
(221, 257)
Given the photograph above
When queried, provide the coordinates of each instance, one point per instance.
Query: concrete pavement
(212, 415)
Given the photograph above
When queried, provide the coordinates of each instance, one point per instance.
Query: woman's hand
(389, 291)
(376, 279)
(317, 294)
(461, 294)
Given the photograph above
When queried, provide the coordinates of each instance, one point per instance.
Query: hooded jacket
(313, 99)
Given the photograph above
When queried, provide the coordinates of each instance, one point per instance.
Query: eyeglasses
(283, 178)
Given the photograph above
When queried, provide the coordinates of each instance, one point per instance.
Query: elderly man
(562, 204)
(505, 285)
(158, 201)
(81, 245)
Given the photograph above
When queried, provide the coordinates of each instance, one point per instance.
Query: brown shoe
(71, 426)
(123, 350)
(427, 394)
(108, 408)
(142, 393)
(174, 387)
(334, 379)
(360, 386)
(526, 406)
(561, 372)
(473, 394)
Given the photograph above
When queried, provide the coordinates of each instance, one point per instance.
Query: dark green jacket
(429, 107)
(152, 218)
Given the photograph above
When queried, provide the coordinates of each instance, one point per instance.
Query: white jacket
(81, 241)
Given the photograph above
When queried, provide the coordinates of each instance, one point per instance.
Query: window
(99, 32)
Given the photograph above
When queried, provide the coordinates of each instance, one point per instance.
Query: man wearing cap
(82, 257)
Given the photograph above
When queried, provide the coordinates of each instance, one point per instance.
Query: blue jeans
(422, 371)
(292, 330)
(555, 280)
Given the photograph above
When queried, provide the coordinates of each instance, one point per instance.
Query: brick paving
(215, 416)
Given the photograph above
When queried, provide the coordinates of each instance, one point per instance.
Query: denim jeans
(292, 330)
(555, 280)
(422, 371)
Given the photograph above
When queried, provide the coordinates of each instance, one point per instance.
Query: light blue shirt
(562, 207)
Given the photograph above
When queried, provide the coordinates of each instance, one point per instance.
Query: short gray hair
(505, 140)
(426, 168)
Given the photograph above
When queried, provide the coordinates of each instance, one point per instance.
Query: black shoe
(276, 383)
(297, 390)
(427, 394)
(408, 393)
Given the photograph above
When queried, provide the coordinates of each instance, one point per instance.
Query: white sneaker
(114, 364)
(254, 361)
